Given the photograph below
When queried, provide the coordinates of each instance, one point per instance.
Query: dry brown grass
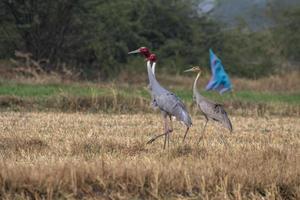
(102, 156)
(117, 103)
(289, 82)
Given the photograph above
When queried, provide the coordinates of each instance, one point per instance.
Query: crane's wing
(199, 98)
(212, 102)
(172, 105)
(216, 112)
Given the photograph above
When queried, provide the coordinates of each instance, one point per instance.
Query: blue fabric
(220, 80)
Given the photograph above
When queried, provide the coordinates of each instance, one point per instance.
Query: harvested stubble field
(105, 156)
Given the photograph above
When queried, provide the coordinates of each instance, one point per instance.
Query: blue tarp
(220, 80)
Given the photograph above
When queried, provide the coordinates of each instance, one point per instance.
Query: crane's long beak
(189, 70)
(135, 51)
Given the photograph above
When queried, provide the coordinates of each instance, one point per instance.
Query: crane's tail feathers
(185, 118)
(226, 121)
(227, 124)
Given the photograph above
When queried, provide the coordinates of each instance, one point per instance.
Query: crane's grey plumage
(209, 109)
(168, 103)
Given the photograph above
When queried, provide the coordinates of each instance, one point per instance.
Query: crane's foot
(200, 139)
(157, 136)
(224, 141)
(152, 140)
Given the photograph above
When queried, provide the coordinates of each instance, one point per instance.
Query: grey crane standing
(209, 109)
(168, 103)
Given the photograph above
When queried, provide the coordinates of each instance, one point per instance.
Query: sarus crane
(168, 103)
(208, 108)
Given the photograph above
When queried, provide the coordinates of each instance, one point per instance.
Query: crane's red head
(152, 57)
(142, 50)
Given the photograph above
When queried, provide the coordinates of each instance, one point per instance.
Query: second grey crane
(168, 103)
(209, 109)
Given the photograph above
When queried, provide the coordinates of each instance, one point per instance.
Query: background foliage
(94, 36)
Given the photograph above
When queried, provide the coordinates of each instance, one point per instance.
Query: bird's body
(214, 111)
(168, 103)
(210, 109)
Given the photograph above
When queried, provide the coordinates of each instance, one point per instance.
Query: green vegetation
(246, 96)
(93, 37)
(124, 99)
(47, 91)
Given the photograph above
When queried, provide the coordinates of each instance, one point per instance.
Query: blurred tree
(287, 33)
(9, 38)
(248, 54)
(172, 28)
(94, 36)
(43, 26)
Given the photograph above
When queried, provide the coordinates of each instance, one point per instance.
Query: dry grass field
(48, 155)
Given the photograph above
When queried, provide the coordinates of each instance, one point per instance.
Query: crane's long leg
(169, 139)
(166, 132)
(224, 140)
(203, 130)
(187, 130)
(166, 127)
(170, 128)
